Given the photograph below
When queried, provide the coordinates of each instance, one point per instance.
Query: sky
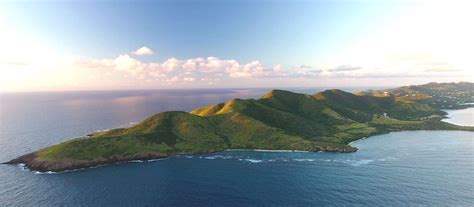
(113, 45)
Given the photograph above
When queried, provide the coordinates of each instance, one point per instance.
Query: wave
(355, 162)
(218, 157)
(304, 160)
(154, 160)
(22, 166)
(264, 150)
(387, 158)
(253, 160)
(139, 161)
(41, 173)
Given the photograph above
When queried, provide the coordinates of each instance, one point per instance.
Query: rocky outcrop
(35, 163)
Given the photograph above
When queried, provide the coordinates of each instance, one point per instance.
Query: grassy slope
(325, 121)
(280, 120)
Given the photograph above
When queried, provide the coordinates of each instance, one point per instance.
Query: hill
(437, 95)
(279, 120)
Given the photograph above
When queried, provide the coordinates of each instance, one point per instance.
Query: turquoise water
(402, 168)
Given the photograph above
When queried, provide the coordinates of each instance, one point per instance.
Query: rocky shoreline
(34, 163)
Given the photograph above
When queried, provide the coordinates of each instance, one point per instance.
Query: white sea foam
(386, 159)
(304, 160)
(265, 150)
(47, 172)
(253, 160)
(154, 160)
(218, 157)
(22, 166)
(358, 162)
(135, 161)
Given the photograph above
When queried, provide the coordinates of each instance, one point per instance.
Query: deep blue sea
(395, 169)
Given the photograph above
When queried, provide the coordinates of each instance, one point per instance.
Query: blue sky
(287, 34)
(243, 30)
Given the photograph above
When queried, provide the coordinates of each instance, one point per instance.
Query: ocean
(400, 168)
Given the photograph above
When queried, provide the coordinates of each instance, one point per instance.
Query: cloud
(175, 71)
(126, 71)
(143, 51)
(344, 68)
(440, 67)
(189, 79)
(213, 70)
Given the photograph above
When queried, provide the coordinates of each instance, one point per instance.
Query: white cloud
(125, 71)
(189, 79)
(173, 71)
(126, 63)
(344, 68)
(143, 51)
(170, 64)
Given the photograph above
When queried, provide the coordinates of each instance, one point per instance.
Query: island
(280, 120)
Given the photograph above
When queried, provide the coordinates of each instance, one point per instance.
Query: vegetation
(437, 95)
(325, 121)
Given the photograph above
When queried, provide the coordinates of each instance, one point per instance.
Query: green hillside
(279, 120)
(437, 95)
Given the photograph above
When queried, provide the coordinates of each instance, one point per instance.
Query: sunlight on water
(463, 117)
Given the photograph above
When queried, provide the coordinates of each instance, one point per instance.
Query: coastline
(337, 143)
(31, 162)
(265, 150)
(34, 164)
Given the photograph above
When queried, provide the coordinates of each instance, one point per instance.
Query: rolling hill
(437, 95)
(279, 120)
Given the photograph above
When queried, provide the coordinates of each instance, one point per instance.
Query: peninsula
(279, 120)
